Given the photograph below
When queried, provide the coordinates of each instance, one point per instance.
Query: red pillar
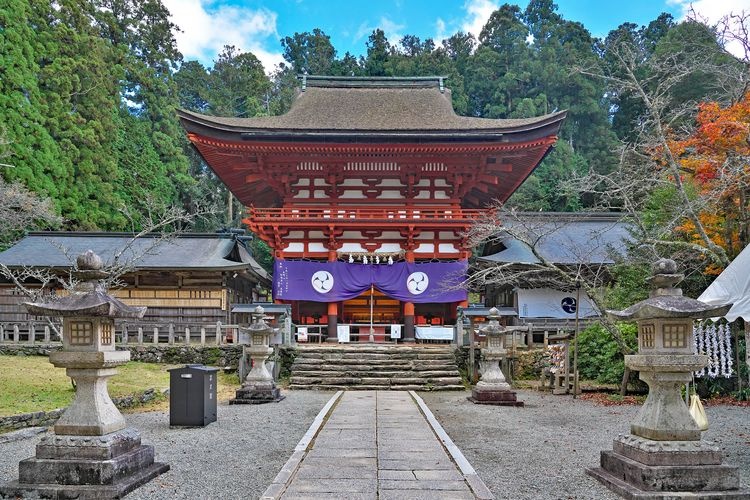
(409, 309)
(333, 310)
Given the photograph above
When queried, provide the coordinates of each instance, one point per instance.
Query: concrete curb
(476, 484)
(280, 482)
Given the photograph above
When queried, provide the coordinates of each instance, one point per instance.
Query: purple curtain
(436, 282)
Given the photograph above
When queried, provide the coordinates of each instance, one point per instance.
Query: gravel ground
(536, 452)
(235, 457)
(541, 450)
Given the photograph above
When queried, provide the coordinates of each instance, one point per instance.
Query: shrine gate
(364, 190)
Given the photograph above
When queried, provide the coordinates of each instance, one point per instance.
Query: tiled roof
(208, 252)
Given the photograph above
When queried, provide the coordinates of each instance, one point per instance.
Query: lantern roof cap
(666, 300)
(89, 297)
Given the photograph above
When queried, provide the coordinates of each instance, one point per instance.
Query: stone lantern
(664, 455)
(492, 388)
(91, 453)
(258, 386)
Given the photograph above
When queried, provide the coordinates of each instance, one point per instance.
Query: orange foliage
(714, 160)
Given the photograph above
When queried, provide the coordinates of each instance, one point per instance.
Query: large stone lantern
(493, 388)
(664, 453)
(91, 453)
(258, 386)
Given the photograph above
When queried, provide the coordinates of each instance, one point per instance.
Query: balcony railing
(433, 214)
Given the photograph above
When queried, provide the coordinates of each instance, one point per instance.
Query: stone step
(420, 367)
(307, 380)
(356, 361)
(330, 387)
(375, 356)
(376, 373)
(377, 350)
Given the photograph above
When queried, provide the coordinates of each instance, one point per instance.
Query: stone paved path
(377, 445)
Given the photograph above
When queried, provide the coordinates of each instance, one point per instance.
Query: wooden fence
(35, 332)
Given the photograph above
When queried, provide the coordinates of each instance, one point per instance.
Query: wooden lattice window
(106, 333)
(675, 336)
(647, 336)
(81, 333)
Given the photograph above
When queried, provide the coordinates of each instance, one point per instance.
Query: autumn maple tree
(715, 160)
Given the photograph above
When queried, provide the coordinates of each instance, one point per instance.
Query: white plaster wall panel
(391, 195)
(303, 193)
(351, 235)
(391, 183)
(423, 195)
(389, 248)
(295, 247)
(319, 182)
(314, 246)
(353, 182)
(352, 195)
(426, 235)
(316, 235)
(447, 248)
(425, 248)
(352, 247)
(441, 183)
(390, 235)
(302, 182)
(441, 195)
(320, 194)
(447, 235)
(295, 235)
(423, 182)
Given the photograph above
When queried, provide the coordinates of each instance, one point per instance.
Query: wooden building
(185, 281)
(583, 242)
(364, 190)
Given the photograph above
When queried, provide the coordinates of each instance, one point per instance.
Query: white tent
(732, 286)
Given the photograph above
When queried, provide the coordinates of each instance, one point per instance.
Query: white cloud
(712, 11)
(477, 14)
(205, 31)
(391, 29)
(441, 32)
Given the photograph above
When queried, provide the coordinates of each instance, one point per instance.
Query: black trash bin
(192, 396)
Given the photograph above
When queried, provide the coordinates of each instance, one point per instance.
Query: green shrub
(600, 357)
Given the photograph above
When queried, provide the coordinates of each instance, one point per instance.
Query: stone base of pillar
(256, 396)
(85, 467)
(494, 396)
(645, 469)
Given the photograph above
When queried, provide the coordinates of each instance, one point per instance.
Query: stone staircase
(375, 367)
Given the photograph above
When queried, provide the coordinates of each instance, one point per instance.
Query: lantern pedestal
(647, 469)
(493, 389)
(85, 467)
(664, 456)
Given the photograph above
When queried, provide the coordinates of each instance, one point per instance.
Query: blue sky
(258, 25)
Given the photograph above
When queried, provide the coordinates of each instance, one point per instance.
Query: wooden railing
(34, 332)
(390, 213)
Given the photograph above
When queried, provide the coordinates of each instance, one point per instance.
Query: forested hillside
(88, 91)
